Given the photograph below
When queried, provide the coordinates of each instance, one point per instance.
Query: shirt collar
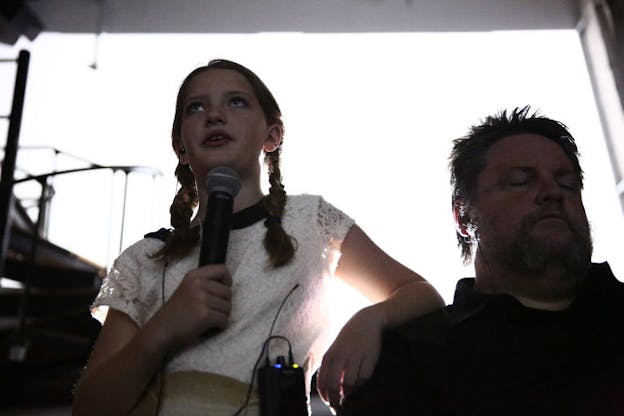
(468, 301)
(248, 216)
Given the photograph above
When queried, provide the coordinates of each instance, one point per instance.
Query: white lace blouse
(134, 286)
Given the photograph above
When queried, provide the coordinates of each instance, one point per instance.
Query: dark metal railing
(19, 343)
(10, 152)
(42, 179)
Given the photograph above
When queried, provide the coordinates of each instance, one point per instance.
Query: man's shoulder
(601, 300)
(603, 284)
(603, 271)
(428, 326)
(421, 336)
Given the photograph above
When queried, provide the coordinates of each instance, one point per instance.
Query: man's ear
(274, 138)
(463, 220)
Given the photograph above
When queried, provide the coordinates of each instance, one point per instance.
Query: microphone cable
(262, 351)
(160, 375)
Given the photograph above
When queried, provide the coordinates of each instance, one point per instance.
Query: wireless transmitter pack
(281, 387)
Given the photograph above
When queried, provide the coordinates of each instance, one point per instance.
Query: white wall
(369, 122)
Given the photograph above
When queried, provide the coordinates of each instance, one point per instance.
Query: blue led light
(277, 366)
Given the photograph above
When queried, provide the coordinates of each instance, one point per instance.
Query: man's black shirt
(490, 355)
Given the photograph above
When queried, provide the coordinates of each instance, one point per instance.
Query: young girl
(203, 328)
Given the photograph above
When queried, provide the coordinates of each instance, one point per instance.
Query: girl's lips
(216, 138)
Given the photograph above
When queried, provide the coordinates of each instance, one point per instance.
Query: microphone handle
(216, 228)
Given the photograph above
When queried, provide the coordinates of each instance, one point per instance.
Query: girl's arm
(120, 367)
(400, 295)
(126, 357)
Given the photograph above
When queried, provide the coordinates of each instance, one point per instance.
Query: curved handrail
(56, 151)
(42, 180)
(125, 169)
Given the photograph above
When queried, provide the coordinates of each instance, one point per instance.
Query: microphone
(222, 185)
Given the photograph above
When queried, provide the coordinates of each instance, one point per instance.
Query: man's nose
(549, 190)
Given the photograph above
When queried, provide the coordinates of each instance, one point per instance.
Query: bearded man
(539, 330)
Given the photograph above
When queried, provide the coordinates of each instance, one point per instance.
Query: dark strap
(162, 234)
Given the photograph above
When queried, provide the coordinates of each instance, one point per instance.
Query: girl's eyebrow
(237, 92)
(227, 93)
(193, 98)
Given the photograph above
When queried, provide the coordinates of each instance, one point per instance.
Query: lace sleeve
(334, 225)
(121, 288)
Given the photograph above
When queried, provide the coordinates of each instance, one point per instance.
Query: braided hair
(279, 245)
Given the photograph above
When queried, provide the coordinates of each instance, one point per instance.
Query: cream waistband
(192, 393)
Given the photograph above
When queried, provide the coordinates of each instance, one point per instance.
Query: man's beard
(523, 250)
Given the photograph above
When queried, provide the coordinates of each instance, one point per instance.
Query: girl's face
(223, 125)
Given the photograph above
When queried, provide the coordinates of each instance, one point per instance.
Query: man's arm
(388, 391)
(404, 382)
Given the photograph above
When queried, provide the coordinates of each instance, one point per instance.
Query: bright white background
(369, 121)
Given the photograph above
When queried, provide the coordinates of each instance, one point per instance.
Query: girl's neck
(249, 194)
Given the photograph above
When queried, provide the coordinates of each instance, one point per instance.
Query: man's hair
(469, 155)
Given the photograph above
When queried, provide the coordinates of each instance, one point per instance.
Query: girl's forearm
(409, 301)
(116, 385)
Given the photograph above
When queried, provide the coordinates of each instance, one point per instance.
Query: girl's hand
(352, 358)
(202, 302)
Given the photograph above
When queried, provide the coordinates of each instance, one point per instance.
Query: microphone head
(223, 179)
